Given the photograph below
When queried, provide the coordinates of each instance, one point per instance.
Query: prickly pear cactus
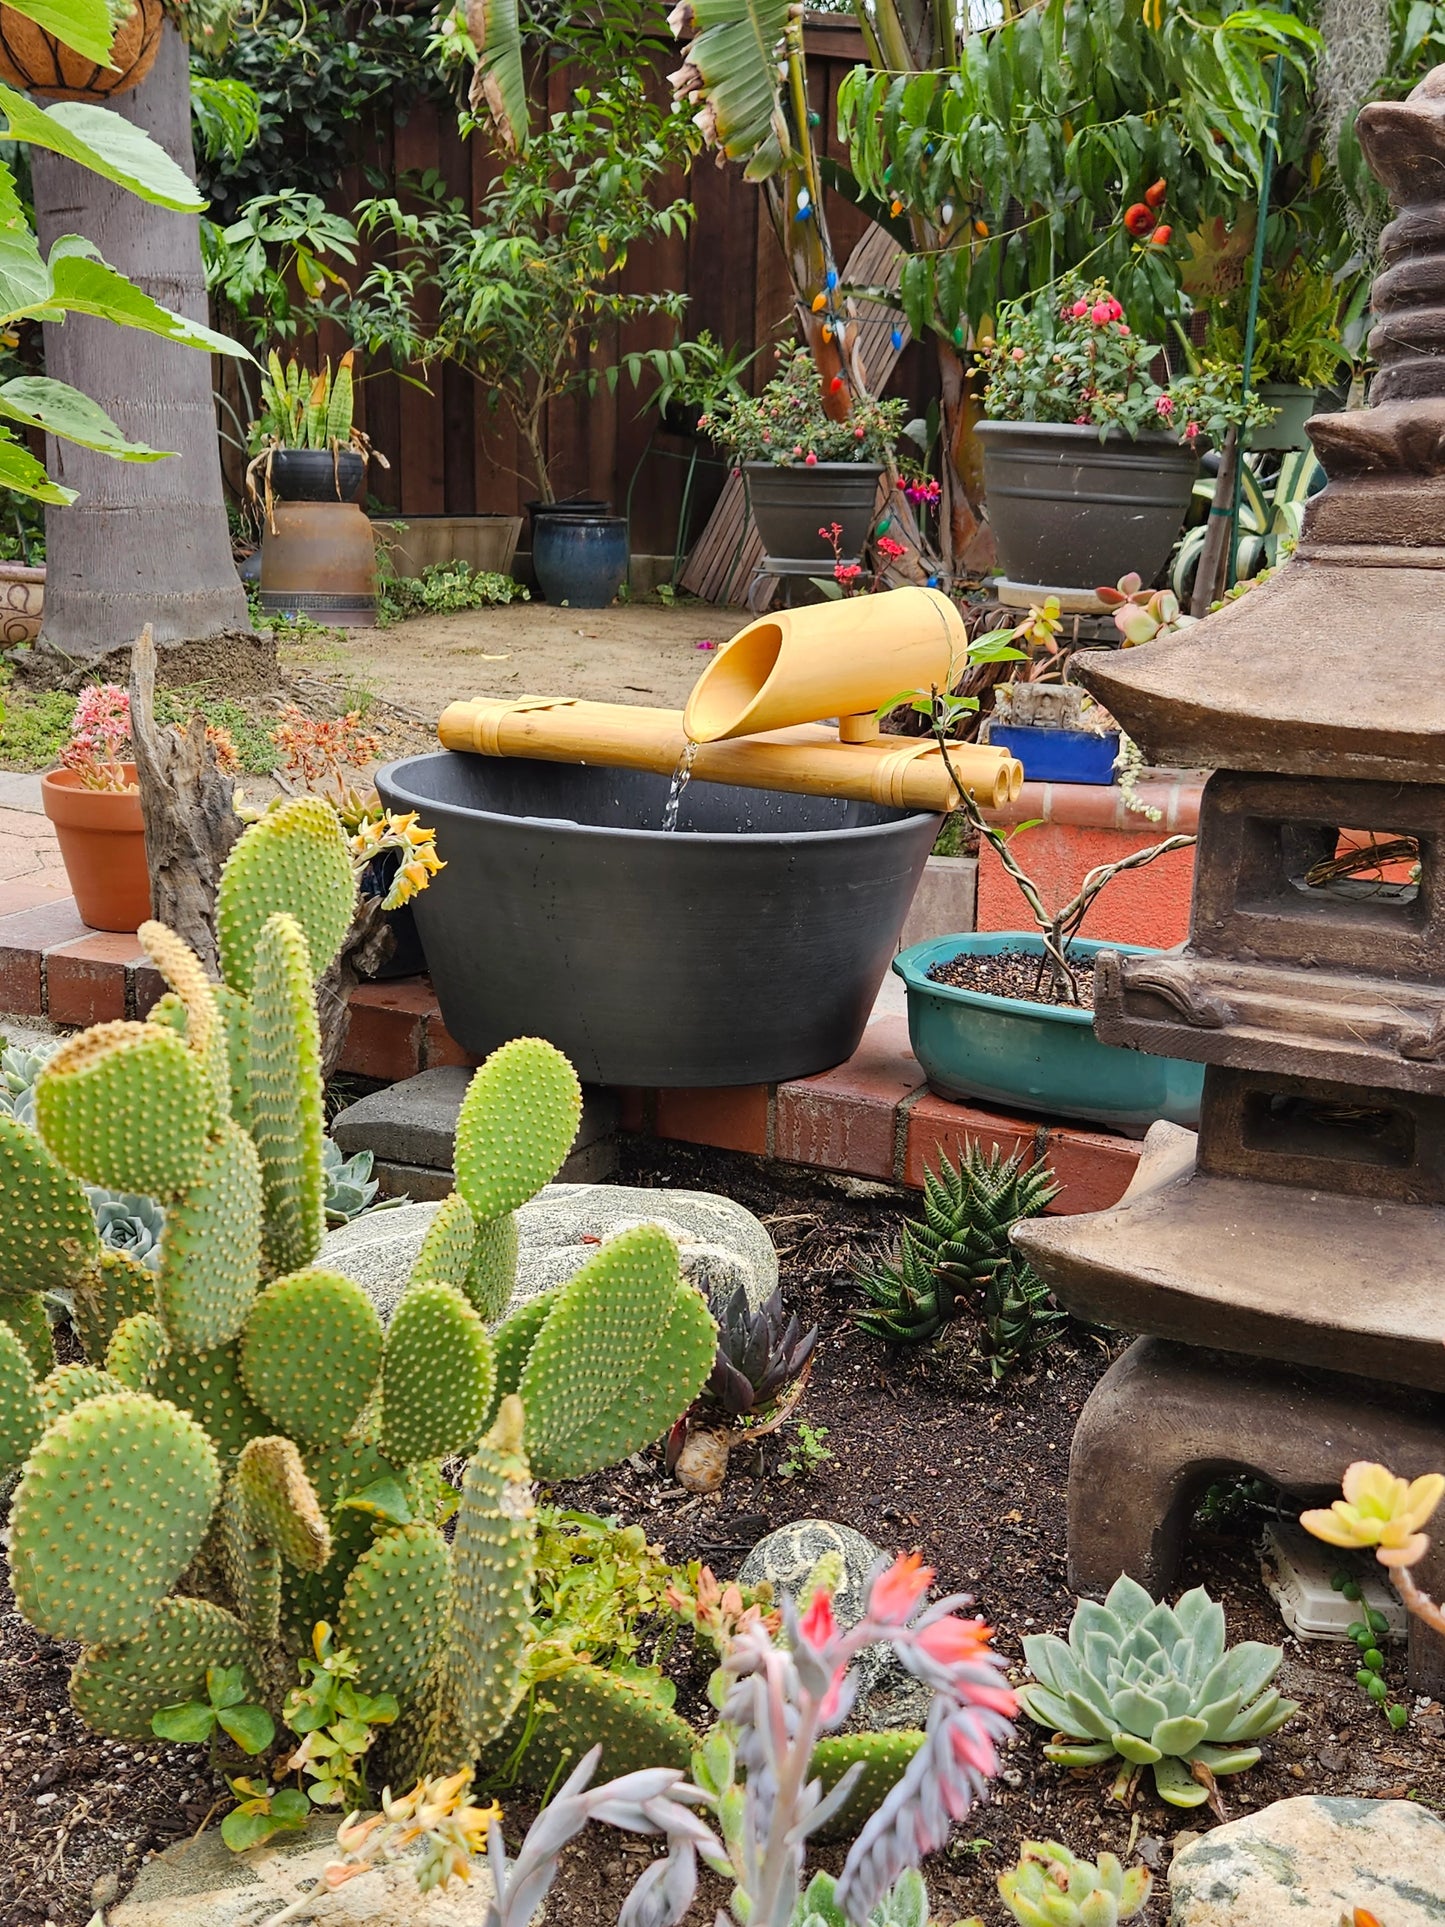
(245, 1451)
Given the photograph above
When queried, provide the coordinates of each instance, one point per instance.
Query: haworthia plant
(246, 1451)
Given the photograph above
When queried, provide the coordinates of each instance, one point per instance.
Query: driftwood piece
(190, 818)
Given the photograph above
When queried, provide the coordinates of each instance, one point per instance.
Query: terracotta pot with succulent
(1089, 461)
(807, 474)
(318, 552)
(93, 800)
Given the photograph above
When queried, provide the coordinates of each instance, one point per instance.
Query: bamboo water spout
(755, 712)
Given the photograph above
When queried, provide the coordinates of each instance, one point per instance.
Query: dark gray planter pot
(1070, 511)
(791, 505)
(744, 948)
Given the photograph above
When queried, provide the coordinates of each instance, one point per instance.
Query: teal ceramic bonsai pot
(1037, 1057)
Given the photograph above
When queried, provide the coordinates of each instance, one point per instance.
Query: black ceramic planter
(1070, 511)
(316, 475)
(791, 505)
(579, 559)
(745, 948)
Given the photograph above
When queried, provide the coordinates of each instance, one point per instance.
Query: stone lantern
(1288, 1265)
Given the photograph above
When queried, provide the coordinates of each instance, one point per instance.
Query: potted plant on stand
(318, 553)
(522, 293)
(93, 800)
(804, 471)
(1089, 462)
(1299, 350)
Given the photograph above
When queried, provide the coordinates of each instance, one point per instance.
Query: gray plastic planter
(1070, 511)
(745, 948)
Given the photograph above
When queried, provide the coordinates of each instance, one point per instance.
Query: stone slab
(1309, 1862)
(201, 1883)
(722, 1244)
(415, 1121)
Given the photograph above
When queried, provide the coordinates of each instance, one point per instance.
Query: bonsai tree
(523, 292)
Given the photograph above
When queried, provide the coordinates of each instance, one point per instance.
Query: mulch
(1014, 973)
(926, 1451)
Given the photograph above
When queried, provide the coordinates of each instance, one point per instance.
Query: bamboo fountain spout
(756, 714)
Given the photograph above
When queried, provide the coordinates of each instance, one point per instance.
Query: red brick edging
(872, 1117)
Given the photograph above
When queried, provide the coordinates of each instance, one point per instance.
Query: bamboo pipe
(902, 772)
(845, 659)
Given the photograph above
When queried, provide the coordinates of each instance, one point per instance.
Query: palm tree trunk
(145, 542)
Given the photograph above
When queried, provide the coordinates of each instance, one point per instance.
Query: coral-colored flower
(1380, 1510)
(954, 1641)
(817, 1625)
(896, 1592)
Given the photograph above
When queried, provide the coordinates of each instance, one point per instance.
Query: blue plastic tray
(1059, 755)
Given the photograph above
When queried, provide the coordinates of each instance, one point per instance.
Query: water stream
(681, 777)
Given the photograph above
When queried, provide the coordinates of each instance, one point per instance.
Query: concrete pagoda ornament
(1288, 1264)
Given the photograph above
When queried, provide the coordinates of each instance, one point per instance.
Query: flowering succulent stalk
(1388, 1513)
(776, 1702)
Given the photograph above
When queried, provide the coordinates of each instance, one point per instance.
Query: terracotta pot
(102, 839)
(38, 62)
(22, 603)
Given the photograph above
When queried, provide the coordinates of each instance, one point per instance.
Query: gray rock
(722, 1244)
(1307, 1862)
(886, 1694)
(201, 1883)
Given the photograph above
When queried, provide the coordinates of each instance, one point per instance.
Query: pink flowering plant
(787, 426)
(100, 736)
(1072, 357)
(753, 1802)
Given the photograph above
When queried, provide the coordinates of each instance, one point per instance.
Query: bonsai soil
(926, 1451)
(1018, 974)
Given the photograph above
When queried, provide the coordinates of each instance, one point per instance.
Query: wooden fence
(452, 454)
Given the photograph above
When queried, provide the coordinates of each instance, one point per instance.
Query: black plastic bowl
(744, 948)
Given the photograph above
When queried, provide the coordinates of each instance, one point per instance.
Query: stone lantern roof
(1336, 667)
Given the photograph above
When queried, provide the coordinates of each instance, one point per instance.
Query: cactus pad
(294, 860)
(208, 1385)
(311, 1355)
(116, 1689)
(21, 1419)
(72, 1385)
(516, 1126)
(118, 1289)
(249, 1567)
(586, 1707)
(492, 1560)
(128, 1106)
(135, 1351)
(281, 1503)
(85, 1567)
(47, 1233)
(234, 1011)
(625, 1349)
(287, 1120)
(25, 1315)
(436, 1376)
(396, 1609)
(884, 1758)
(211, 1247)
(184, 972)
(492, 1274)
(446, 1250)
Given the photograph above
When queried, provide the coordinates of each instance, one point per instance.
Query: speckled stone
(1307, 1862)
(722, 1244)
(201, 1883)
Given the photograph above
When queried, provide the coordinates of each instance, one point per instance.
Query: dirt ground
(638, 652)
(924, 1452)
